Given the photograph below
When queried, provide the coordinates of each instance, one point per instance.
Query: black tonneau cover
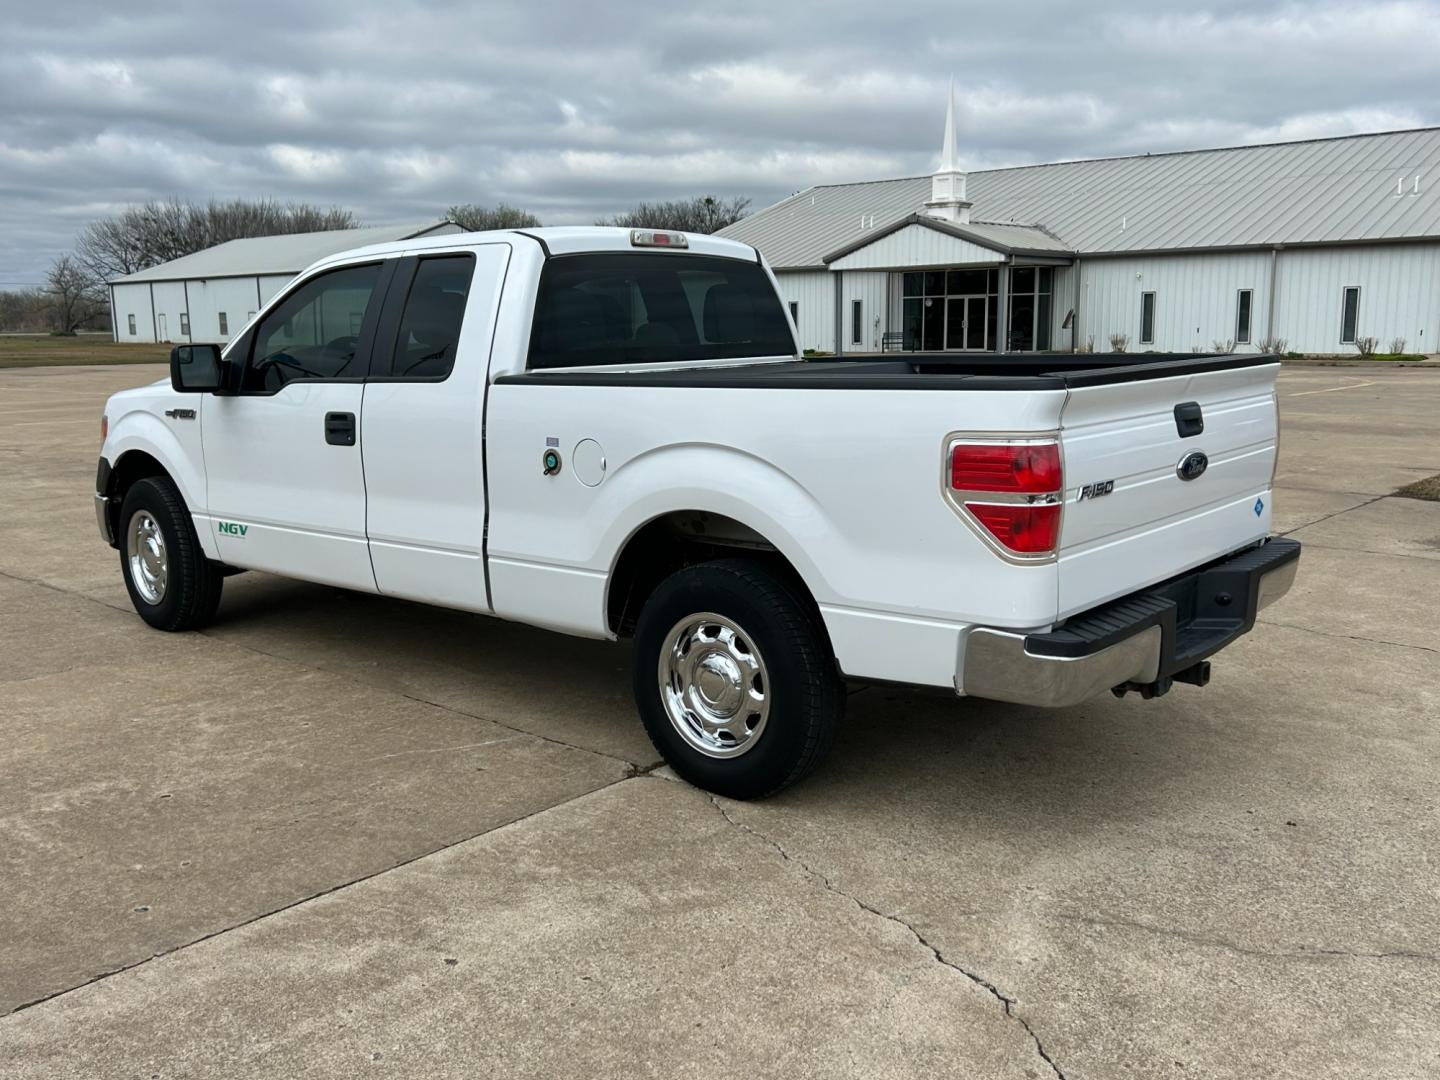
(914, 371)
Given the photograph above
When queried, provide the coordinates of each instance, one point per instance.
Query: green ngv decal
(230, 528)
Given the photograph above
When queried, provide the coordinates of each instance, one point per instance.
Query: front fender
(139, 430)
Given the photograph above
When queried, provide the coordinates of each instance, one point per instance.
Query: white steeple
(947, 186)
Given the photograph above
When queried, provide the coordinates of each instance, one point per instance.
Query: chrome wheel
(714, 685)
(145, 551)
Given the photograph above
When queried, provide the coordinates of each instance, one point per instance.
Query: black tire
(806, 695)
(192, 589)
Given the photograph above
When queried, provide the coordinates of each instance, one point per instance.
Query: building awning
(922, 241)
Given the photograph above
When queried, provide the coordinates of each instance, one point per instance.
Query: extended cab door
(424, 448)
(282, 455)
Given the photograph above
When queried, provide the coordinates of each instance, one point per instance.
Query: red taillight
(1028, 529)
(104, 427)
(1012, 490)
(1024, 468)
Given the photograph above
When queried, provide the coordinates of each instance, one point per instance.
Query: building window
(950, 310)
(185, 323)
(224, 324)
(857, 323)
(1147, 318)
(1349, 314)
(131, 320)
(1243, 303)
(795, 314)
(1030, 304)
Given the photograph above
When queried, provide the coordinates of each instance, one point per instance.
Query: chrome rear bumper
(1142, 641)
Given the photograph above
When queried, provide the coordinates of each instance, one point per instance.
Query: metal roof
(287, 254)
(1009, 239)
(1322, 191)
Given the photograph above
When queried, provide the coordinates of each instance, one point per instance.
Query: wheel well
(679, 539)
(133, 465)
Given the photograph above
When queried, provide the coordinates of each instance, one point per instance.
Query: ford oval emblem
(1192, 466)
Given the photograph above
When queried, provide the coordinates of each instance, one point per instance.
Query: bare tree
(703, 214)
(154, 232)
(1119, 342)
(473, 217)
(1397, 345)
(74, 300)
(24, 309)
(1276, 345)
(1226, 346)
(1366, 345)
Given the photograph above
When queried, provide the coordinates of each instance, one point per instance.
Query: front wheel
(171, 583)
(734, 679)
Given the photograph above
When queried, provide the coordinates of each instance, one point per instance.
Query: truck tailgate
(1130, 518)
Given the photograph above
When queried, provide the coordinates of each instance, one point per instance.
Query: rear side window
(430, 326)
(632, 308)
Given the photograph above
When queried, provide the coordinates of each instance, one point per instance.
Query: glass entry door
(966, 322)
(950, 309)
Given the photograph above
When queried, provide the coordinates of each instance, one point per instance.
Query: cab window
(430, 326)
(314, 333)
(634, 308)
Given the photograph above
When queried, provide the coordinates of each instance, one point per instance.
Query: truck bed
(914, 371)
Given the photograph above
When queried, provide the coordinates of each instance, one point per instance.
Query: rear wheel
(734, 679)
(171, 583)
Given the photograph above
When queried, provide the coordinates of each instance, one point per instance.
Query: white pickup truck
(611, 433)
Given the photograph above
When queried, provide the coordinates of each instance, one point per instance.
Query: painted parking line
(1331, 389)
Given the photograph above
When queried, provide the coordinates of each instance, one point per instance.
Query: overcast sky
(397, 109)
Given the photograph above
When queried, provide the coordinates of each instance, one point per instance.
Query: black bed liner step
(1198, 612)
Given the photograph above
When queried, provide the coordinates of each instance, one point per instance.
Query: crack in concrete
(360, 880)
(1368, 551)
(1006, 1002)
(1347, 637)
(1205, 941)
(1337, 513)
(636, 768)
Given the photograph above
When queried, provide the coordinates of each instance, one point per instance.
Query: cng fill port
(550, 462)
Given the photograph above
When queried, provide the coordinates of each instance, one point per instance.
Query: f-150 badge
(1095, 490)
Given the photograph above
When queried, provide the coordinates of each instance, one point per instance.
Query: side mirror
(195, 369)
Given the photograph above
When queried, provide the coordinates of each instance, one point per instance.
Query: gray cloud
(398, 109)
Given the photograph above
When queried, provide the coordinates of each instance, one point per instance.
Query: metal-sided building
(1303, 246)
(210, 296)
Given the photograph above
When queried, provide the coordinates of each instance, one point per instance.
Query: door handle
(1189, 419)
(340, 428)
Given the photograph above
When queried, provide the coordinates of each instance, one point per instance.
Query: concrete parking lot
(337, 834)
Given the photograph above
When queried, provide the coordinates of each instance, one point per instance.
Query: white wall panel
(234, 296)
(871, 289)
(270, 284)
(1195, 299)
(169, 306)
(814, 293)
(133, 300)
(915, 246)
(1399, 295)
(1062, 299)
